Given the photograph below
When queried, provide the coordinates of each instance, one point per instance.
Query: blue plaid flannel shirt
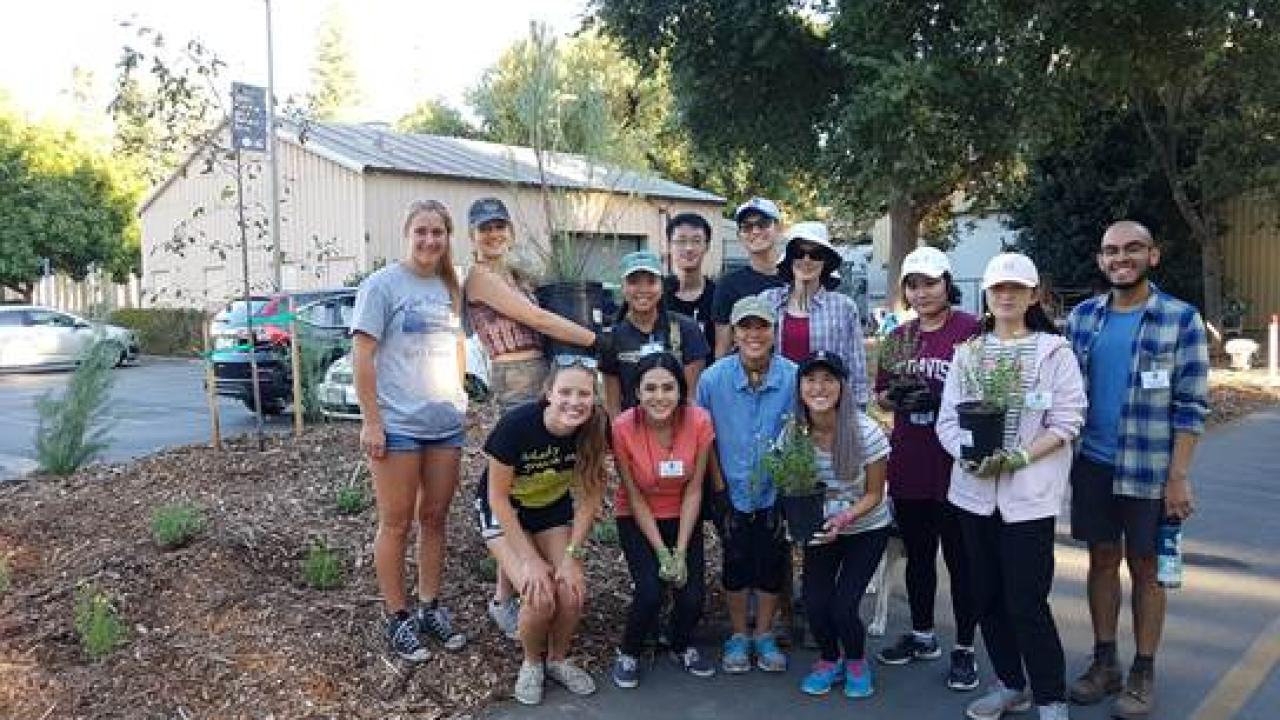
(1171, 337)
(834, 326)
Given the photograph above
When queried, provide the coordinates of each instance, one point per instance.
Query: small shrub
(164, 331)
(6, 576)
(605, 532)
(71, 430)
(174, 526)
(352, 499)
(97, 623)
(486, 569)
(322, 567)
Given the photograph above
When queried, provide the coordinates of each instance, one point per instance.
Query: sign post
(248, 132)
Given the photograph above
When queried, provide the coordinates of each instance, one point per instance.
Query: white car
(39, 337)
(338, 390)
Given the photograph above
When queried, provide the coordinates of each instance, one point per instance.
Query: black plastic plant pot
(579, 302)
(984, 426)
(803, 514)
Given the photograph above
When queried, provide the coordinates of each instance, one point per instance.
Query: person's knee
(537, 609)
(432, 517)
(395, 528)
(1142, 570)
(1105, 557)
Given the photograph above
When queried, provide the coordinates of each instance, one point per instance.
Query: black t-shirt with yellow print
(543, 463)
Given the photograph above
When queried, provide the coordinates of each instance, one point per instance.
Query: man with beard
(1145, 360)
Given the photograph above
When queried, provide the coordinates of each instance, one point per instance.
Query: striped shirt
(834, 326)
(840, 495)
(1168, 386)
(1023, 352)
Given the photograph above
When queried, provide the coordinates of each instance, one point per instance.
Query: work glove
(680, 569)
(666, 565)
(1015, 460)
(990, 466)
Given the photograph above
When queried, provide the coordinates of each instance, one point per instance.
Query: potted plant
(992, 385)
(908, 390)
(792, 464)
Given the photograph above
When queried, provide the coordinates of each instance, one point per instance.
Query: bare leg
(1103, 586)
(439, 480)
(766, 608)
(395, 484)
(535, 618)
(1149, 601)
(551, 544)
(737, 602)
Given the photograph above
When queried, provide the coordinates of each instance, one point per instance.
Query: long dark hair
(1036, 318)
(847, 453)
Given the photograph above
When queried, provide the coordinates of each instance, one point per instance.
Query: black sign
(248, 117)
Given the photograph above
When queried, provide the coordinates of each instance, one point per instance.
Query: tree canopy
(435, 116)
(335, 84)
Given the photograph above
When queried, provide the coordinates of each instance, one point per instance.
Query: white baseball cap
(928, 261)
(1010, 267)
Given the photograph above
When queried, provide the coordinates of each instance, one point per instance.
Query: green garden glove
(1016, 460)
(991, 465)
(666, 565)
(681, 570)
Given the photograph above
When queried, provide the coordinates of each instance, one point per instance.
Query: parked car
(323, 318)
(338, 390)
(32, 336)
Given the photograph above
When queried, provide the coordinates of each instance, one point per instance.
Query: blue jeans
(408, 443)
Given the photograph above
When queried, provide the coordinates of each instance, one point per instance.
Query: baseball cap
(927, 261)
(764, 206)
(486, 209)
(825, 359)
(1010, 267)
(752, 306)
(641, 261)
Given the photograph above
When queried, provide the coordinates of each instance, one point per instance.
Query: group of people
(702, 380)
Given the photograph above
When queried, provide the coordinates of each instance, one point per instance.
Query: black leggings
(646, 601)
(1012, 575)
(923, 524)
(835, 578)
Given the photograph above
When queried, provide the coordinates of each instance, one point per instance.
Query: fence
(95, 294)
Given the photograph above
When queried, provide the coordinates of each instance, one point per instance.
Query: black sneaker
(402, 634)
(964, 671)
(434, 621)
(694, 663)
(910, 648)
(626, 670)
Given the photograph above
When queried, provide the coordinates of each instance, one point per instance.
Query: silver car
(338, 390)
(39, 337)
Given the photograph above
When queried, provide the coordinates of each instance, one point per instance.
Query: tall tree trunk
(904, 233)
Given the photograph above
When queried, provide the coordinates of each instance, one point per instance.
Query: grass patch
(6, 576)
(486, 568)
(176, 525)
(605, 532)
(98, 623)
(352, 499)
(322, 568)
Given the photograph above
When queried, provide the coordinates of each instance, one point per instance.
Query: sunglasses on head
(568, 361)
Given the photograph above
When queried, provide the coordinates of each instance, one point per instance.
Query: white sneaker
(529, 683)
(506, 615)
(998, 701)
(573, 678)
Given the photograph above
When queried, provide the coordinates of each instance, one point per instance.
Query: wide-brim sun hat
(816, 234)
(928, 261)
(1010, 268)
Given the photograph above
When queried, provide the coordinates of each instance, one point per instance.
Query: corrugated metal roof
(373, 147)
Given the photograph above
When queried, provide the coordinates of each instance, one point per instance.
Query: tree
(335, 86)
(435, 116)
(1199, 76)
(62, 203)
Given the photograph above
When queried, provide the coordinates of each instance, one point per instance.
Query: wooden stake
(211, 386)
(295, 359)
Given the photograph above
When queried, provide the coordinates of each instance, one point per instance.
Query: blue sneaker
(857, 679)
(737, 654)
(768, 657)
(822, 676)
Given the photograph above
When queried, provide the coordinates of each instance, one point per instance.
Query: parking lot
(156, 403)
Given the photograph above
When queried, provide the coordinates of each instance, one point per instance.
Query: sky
(405, 51)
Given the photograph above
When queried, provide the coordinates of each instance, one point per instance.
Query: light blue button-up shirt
(747, 421)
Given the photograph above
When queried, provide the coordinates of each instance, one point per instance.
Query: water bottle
(1169, 553)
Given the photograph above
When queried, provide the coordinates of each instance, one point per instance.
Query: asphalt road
(156, 403)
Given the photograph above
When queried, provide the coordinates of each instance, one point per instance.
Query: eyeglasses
(568, 361)
(1132, 249)
(749, 225)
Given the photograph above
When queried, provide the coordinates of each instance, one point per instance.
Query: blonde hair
(448, 274)
(593, 435)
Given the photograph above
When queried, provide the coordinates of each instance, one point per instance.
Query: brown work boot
(1099, 681)
(1138, 699)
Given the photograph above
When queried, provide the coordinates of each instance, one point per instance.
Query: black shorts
(1098, 515)
(533, 520)
(755, 551)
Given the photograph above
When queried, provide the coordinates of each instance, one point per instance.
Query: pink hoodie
(1036, 491)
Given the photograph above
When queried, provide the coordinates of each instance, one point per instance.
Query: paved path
(157, 403)
(1218, 660)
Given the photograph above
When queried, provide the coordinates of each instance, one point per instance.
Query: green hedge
(164, 331)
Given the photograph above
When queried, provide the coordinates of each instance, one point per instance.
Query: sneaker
(1099, 681)
(857, 679)
(998, 701)
(529, 683)
(435, 621)
(402, 633)
(626, 670)
(1054, 711)
(964, 670)
(909, 648)
(768, 657)
(822, 675)
(506, 615)
(573, 678)
(694, 663)
(737, 654)
(1138, 698)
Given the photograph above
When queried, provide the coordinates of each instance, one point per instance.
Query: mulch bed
(227, 628)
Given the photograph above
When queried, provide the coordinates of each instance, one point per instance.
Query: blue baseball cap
(486, 209)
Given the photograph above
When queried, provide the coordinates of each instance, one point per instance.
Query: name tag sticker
(1039, 400)
(671, 468)
(920, 418)
(650, 348)
(966, 438)
(1155, 379)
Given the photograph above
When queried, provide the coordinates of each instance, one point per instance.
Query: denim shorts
(408, 443)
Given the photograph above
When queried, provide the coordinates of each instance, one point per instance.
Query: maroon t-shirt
(919, 469)
(795, 337)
